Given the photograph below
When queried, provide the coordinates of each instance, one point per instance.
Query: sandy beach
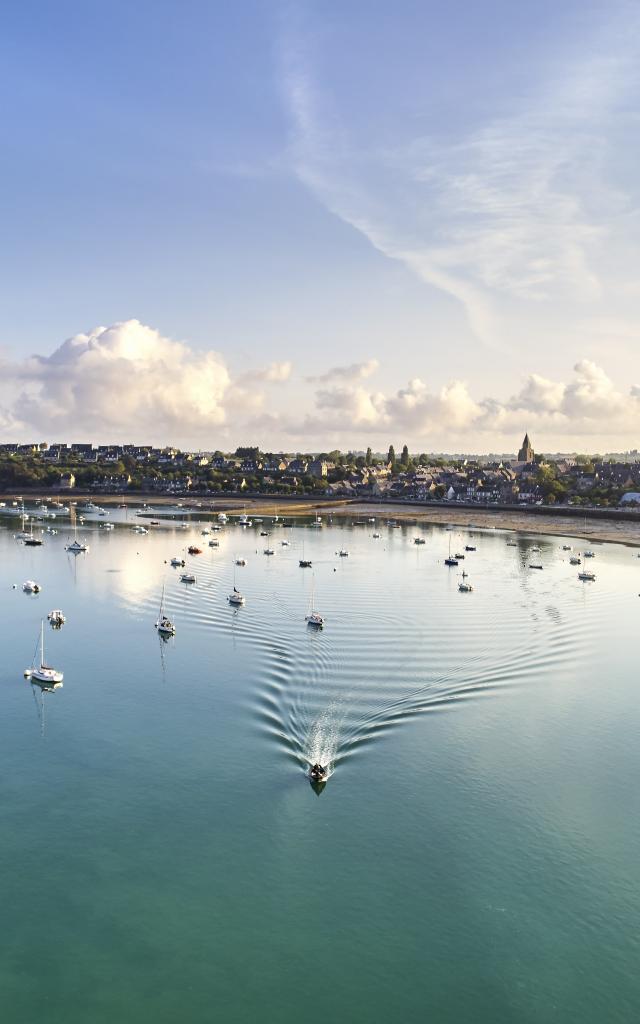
(518, 520)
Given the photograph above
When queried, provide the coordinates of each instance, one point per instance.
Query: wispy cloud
(352, 372)
(512, 209)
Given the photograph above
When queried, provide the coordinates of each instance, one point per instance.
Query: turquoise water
(472, 858)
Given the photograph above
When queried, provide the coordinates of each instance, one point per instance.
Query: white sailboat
(313, 617)
(235, 598)
(76, 546)
(164, 624)
(43, 674)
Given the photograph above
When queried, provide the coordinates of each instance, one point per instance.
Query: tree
(368, 457)
(404, 458)
(391, 457)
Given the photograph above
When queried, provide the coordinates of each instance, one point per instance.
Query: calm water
(474, 856)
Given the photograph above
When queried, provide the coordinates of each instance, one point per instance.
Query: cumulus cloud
(588, 404)
(126, 380)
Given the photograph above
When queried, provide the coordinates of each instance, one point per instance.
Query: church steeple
(526, 453)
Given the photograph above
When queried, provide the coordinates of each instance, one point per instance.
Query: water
(473, 857)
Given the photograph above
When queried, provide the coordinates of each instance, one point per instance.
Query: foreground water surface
(473, 856)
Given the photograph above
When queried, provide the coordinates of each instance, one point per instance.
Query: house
(319, 468)
(67, 481)
(276, 465)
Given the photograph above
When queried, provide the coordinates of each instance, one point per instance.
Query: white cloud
(351, 373)
(588, 405)
(126, 380)
(274, 373)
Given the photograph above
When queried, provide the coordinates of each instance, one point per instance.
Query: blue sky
(433, 208)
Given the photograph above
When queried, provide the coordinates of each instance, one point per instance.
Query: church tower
(526, 453)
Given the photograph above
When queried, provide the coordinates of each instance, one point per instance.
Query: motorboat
(317, 773)
(269, 551)
(589, 554)
(264, 533)
(284, 543)
(469, 547)
(222, 517)
(56, 618)
(343, 553)
(465, 588)
(566, 547)
(305, 563)
(450, 561)
(214, 543)
(177, 562)
(187, 577)
(419, 540)
(575, 560)
(587, 576)
(107, 526)
(459, 556)
(31, 587)
(44, 674)
(535, 565)
(193, 550)
(236, 597)
(511, 544)
(140, 529)
(241, 561)
(376, 536)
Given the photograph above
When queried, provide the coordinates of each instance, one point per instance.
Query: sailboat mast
(42, 643)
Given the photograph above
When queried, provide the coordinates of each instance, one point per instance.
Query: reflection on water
(481, 750)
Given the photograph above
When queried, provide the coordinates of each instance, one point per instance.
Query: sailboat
(43, 674)
(164, 624)
(304, 563)
(31, 541)
(587, 553)
(76, 546)
(235, 598)
(313, 617)
(450, 560)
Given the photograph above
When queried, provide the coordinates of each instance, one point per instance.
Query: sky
(308, 225)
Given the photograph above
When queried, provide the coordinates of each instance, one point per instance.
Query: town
(526, 479)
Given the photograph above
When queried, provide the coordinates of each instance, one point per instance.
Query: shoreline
(600, 529)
